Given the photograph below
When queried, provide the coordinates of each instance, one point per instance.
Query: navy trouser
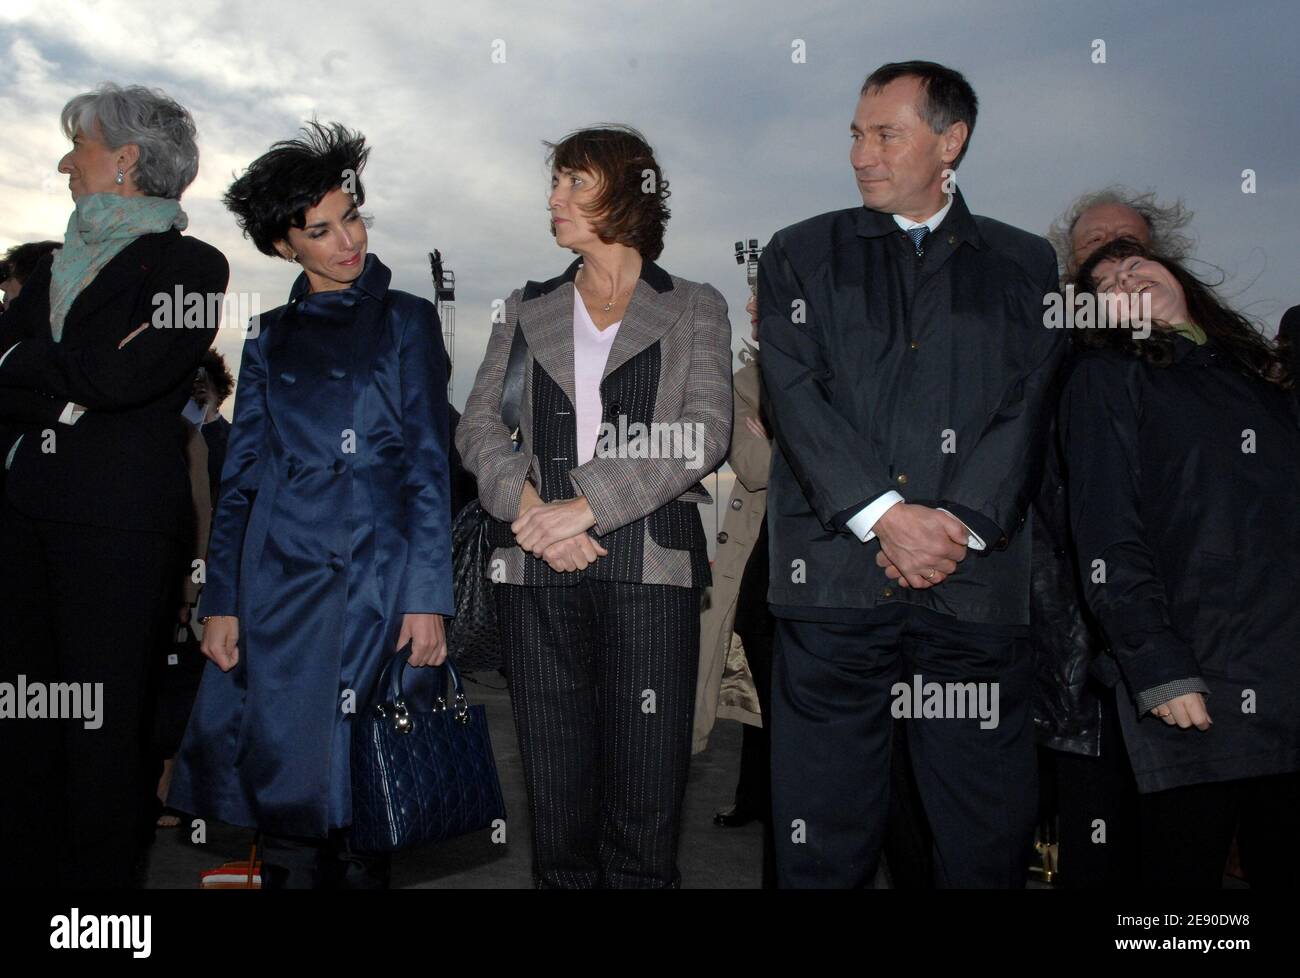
(832, 727)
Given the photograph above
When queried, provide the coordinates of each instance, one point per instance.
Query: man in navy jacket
(906, 360)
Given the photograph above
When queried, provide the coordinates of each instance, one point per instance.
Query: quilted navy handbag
(421, 776)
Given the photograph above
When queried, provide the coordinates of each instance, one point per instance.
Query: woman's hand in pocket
(428, 639)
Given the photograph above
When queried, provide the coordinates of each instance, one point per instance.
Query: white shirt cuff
(7, 352)
(71, 413)
(860, 523)
(974, 543)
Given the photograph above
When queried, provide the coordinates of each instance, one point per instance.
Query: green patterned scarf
(100, 227)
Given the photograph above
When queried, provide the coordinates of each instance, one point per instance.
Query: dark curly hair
(621, 159)
(1233, 333)
(218, 373)
(21, 260)
(281, 185)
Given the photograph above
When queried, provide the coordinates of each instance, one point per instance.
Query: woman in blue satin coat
(331, 543)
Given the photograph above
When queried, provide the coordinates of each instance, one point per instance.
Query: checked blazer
(669, 362)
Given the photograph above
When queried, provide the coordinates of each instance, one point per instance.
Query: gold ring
(930, 576)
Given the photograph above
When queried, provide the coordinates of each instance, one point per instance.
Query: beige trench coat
(725, 688)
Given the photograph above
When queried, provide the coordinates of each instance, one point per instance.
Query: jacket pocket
(677, 526)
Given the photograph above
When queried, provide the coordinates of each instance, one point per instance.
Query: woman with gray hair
(97, 487)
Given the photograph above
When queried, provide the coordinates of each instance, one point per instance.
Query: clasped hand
(919, 546)
(557, 532)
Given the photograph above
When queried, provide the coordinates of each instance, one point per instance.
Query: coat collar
(373, 280)
(959, 224)
(547, 321)
(651, 274)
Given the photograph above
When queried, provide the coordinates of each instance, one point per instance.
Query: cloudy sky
(1190, 94)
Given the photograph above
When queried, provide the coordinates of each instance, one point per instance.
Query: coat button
(338, 373)
(615, 409)
(1058, 552)
(902, 479)
(952, 239)
(335, 563)
(735, 504)
(887, 592)
(914, 345)
(722, 537)
(340, 466)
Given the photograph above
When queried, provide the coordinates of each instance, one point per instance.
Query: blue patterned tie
(918, 236)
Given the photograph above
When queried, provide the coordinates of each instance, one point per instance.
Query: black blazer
(926, 376)
(121, 465)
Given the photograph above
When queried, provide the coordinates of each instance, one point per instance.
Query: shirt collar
(959, 223)
(932, 222)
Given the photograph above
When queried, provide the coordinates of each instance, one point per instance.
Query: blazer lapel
(547, 322)
(650, 314)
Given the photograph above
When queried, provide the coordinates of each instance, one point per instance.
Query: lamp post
(444, 289)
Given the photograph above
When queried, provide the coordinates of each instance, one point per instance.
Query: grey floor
(710, 857)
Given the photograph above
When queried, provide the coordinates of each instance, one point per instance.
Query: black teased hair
(282, 184)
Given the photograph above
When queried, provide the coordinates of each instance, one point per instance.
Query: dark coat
(216, 435)
(121, 465)
(1184, 489)
(926, 377)
(333, 522)
(1070, 667)
(1288, 334)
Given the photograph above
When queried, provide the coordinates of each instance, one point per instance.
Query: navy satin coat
(333, 522)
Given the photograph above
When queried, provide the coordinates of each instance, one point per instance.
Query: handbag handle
(394, 707)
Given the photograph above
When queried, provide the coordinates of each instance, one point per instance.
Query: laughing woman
(331, 544)
(1183, 450)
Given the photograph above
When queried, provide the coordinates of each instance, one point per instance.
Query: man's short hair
(948, 97)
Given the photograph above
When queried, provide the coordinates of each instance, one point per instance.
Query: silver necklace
(610, 304)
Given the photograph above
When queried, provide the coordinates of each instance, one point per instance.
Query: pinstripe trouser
(602, 681)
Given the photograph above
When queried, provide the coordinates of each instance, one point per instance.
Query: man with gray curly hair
(1101, 216)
